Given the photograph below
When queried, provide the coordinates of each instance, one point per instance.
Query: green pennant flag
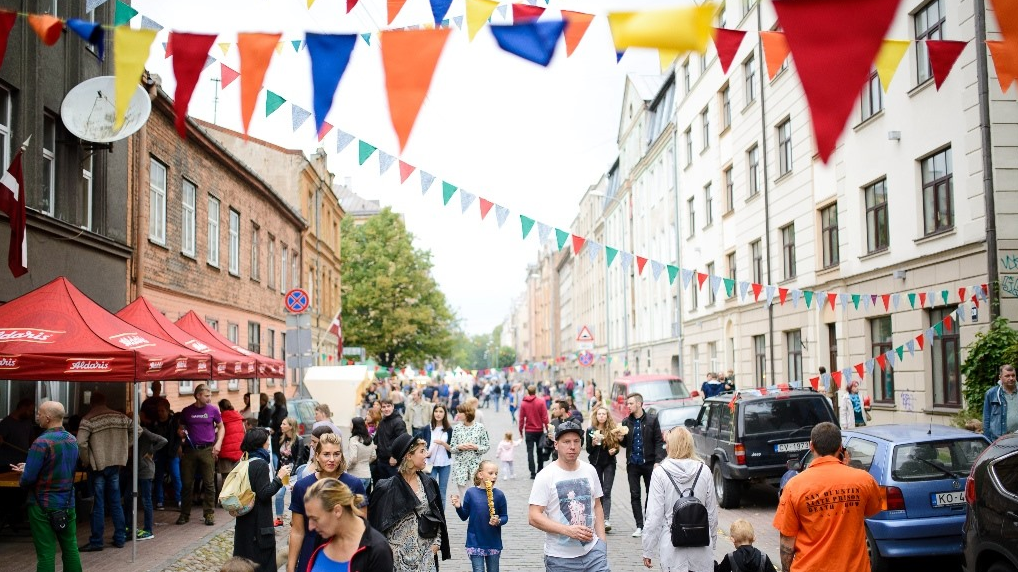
(855, 301)
(673, 271)
(807, 295)
(611, 253)
(365, 150)
(448, 191)
(562, 237)
(123, 14)
(938, 328)
(729, 286)
(273, 101)
(944, 294)
(527, 223)
(901, 352)
(911, 299)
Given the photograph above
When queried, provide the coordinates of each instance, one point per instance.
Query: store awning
(262, 366)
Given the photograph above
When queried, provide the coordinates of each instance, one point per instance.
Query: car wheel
(726, 491)
(1001, 566)
(878, 563)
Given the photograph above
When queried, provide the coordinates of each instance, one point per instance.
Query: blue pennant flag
(656, 268)
(796, 294)
(91, 5)
(343, 140)
(501, 213)
(385, 161)
(299, 116)
(458, 20)
(627, 260)
(618, 56)
(533, 41)
(366, 38)
(426, 180)
(330, 53)
(150, 24)
(466, 199)
(593, 250)
(439, 8)
(91, 32)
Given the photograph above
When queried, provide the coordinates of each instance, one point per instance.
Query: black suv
(750, 435)
(990, 542)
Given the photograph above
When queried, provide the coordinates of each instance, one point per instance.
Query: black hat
(568, 427)
(401, 446)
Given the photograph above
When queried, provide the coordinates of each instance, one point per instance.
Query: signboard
(298, 342)
(296, 301)
(294, 321)
(585, 339)
(586, 359)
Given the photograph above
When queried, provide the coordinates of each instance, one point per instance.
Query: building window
(722, 17)
(284, 267)
(234, 242)
(872, 97)
(85, 200)
(880, 343)
(793, 343)
(685, 76)
(760, 360)
(726, 108)
(705, 130)
(270, 342)
(659, 113)
(832, 344)
(788, 250)
(271, 259)
(233, 332)
(188, 197)
(185, 387)
(255, 270)
(6, 122)
(691, 209)
(756, 254)
(708, 203)
(829, 235)
(877, 227)
(946, 357)
(929, 25)
(938, 193)
(711, 296)
(747, 6)
(785, 147)
(689, 146)
(749, 68)
(213, 323)
(694, 296)
(703, 63)
(213, 232)
(47, 198)
(156, 202)
(753, 170)
(730, 263)
(254, 337)
(729, 182)
(295, 269)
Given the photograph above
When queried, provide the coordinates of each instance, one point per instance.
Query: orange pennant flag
(47, 27)
(1006, 12)
(775, 48)
(255, 55)
(1005, 61)
(409, 59)
(576, 26)
(394, 6)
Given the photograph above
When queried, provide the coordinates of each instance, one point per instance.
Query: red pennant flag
(861, 370)
(1005, 61)
(485, 207)
(394, 6)
(887, 299)
(227, 74)
(405, 170)
(523, 13)
(576, 26)
(731, 404)
(834, 43)
(943, 54)
(815, 382)
(12, 202)
(836, 376)
(783, 387)
(975, 300)
(882, 361)
(727, 43)
(757, 289)
(961, 294)
(922, 299)
(775, 48)
(7, 20)
(984, 288)
(701, 278)
(578, 244)
(168, 50)
(919, 340)
(350, 4)
(326, 127)
(782, 294)
(409, 59)
(948, 323)
(832, 297)
(190, 51)
(640, 263)
(48, 28)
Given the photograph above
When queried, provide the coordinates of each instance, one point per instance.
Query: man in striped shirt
(48, 477)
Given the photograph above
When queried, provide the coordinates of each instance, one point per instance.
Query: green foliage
(475, 352)
(990, 350)
(391, 304)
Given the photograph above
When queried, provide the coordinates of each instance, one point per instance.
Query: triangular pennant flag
(899, 351)
(921, 340)
(961, 294)
(478, 12)
(466, 199)
(832, 297)
(882, 361)
(944, 294)
(406, 169)
(834, 43)
(627, 260)
(392, 9)
(502, 10)
(426, 180)
(700, 279)
(47, 27)
(533, 41)
(948, 323)
(578, 244)
(943, 54)
(807, 296)
(150, 24)
(729, 287)
(123, 15)
(682, 29)
(959, 314)
(367, 38)
(410, 59)
(911, 299)
(458, 21)
(296, 45)
(855, 301)
(938, 328)
(865, 303)
(861, 370)
(770, 294)
(922, 299)
(131, 49)
(326, 128)
(593, 250)
(330, 54)
(278, 48)
(846, 374)
(1005, 62)
(343, 139)
(775, 48)
(208, 61)
(350, 5)
(656, 268)
(91, 32)
(666, 58)
(439, 8)
(91, 5)
(224, 46)
(448, 190)
(673, 271)
(815, 382)
(641, 262)
(543, 232)
(485, 205)
(298, 115)
(227, 75)
(782, 295)
(886, 298)
(385, 161)
(7, 21)
(523, 13)
(727, 43)
(255, 55)
(910, 345)
(869, 364)
(577, 24)
(618, 55)
(757, 289)
(610, 254)
(888, 58)
(189, 53)
(821, 298)
(687, 277)
(527, 223)
(364, 150)
(715, 283)
(501, 213)
(843, 300)
(796, 294)
(561, 237)
(743, 290)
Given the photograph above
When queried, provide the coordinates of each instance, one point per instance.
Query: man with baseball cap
(565, 503)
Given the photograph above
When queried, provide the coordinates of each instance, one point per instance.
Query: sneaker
(145, 535)
(209, 520)
(183, 519)
(160, 506)
(278, 522)
(607, 526)
(638, 533)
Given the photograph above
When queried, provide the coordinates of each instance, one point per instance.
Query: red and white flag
(12, 202)
(336, 328)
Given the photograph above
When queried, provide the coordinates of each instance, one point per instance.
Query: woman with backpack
(682, 536)
(253, 536)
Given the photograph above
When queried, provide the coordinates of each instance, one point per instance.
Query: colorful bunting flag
(343, 139)
(439, 8)
(273, 101)
(578, 243)
(593, 250)
(131, 48)
(123, 15)
(543, 232)
(561, 237)
(727, 43)
(478, 12)
(227, 75)
(943, 54)
(888, 58)
(47, 27)
(326, 128)
(610, 254)
(150, 24)
(656, 268)
(458, 21)
(298, 115)
(330, 54)
(409, 59)
(627, 261)
(1005, 62)
(426, 180)
(641, 262)
(681, 29)
(405, 170)
(448, 190)
(364, 151)
(466, 199)
(385, 161)
(524, 13)
(485, 206)
(526, 223)
(91, 5)
(190, 51)
(393, 8)
(576, 28)
(350, 4)
(673, 271)
(255, 55)
(533, 40)
(501, 214)
(367, 38)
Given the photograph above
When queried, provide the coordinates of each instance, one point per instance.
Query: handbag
(58, 519)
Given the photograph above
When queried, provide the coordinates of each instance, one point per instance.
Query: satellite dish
(88, 111)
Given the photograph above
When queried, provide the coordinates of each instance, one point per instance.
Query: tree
(392, 306)
(989, 351)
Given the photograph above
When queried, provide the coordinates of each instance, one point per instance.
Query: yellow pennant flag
(478, 12)
(279, 48)
(225, 46)
(310, 2)
(667, 57)
(888, 58)
(130, 52)
(677, 29)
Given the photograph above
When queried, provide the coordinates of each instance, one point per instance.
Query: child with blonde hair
(486, 512)
(506, 453)
(745, 557)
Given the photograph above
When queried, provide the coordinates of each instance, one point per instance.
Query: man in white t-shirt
(565, 503)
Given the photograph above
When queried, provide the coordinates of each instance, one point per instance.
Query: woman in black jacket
(603, 437)
(333, 511)
(254, 536)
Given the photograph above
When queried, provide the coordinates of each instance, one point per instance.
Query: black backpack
(690, 523)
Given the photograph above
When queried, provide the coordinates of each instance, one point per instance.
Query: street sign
(585, 335)
(298, 321)
(585, 346)
(296, 301)
(585, 358)
(295, 362)
(298, 342)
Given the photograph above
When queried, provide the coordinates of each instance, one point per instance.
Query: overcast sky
(526, 137)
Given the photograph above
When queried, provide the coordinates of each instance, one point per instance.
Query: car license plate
(791, 447)
(953, 498)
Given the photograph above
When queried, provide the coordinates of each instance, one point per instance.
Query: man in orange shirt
(821, 516)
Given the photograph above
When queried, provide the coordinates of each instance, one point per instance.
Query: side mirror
(695, 393)
(690, 423)
(621, 400)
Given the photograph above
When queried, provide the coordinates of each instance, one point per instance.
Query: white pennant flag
(687, 277)
(844, 301)
(466, 199)
(385, 161)
(426, 180)
(501, 213)
(627, 260)
(593, 250)
(543, 232)
(343, 140)
(895, 300)
(910, 346)
(656, 267)
(299, 115)
(770, 294)
(743, 290)
(795, 297)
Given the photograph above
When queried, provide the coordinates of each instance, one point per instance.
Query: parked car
(659, 391)
(671, 415)
(750, 436)
(990, 539)
(303, 410)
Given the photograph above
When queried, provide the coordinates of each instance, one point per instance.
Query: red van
(658, 391)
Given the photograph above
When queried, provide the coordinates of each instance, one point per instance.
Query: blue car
(923, 470)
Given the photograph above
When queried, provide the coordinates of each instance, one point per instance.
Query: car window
(861, 453)
(659, 389)
(714, 421)
(935, 459)
(1005, 472)
(617, 390)
(307, 411)
(725, 415)
(774, 415)
(677, 415)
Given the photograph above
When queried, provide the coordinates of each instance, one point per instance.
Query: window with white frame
(929, 25)
(686, 80)
(47, 198)
(785, 147)
(753, 170)
(729, 181)
(756, 256)
(234, 242)
(233, 332)
(938, 192)
(188, 220)
(829, 235)
(254, 337)
(730, 262)
(6, 123)
(705, 127)
(185, 387)
(708, 204)
(213, 231)
(294, 269)
(270, 271)
(691, 210)
(711, 296)
(872, 99)
(689, 145)
(255, 270)
(749, 69)
(788, 250)
(793, 343)
(157, 202)
(84, 215)
(877, 226)
(284, 267)
(725, 98)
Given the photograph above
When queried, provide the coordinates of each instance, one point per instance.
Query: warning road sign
(585, 335)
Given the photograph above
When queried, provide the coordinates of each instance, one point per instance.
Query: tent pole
(134, 490)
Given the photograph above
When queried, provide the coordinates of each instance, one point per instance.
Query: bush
(989, 351)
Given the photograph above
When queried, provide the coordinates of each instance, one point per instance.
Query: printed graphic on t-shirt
(576, 505)
(834, 501)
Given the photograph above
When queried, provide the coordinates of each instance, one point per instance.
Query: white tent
(340, 388)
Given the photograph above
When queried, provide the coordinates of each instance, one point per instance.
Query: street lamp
(607, 287)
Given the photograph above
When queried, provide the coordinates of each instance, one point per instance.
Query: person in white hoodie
(688, 471)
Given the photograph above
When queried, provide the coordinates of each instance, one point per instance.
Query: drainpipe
(986, 143)
(766, 186)
(678, 234)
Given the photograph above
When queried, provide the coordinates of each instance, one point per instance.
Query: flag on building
(336, 328)
(12, 202)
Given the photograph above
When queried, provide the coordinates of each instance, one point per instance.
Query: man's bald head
(51, 414)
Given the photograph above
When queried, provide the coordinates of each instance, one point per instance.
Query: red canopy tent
(266, 366)
(225, 364)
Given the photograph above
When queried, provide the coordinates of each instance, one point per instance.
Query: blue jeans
(145, 492)
(279, 498)
(166, 465)
(477, 563)
(495, 398)
(106, 490)
(441, 474)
